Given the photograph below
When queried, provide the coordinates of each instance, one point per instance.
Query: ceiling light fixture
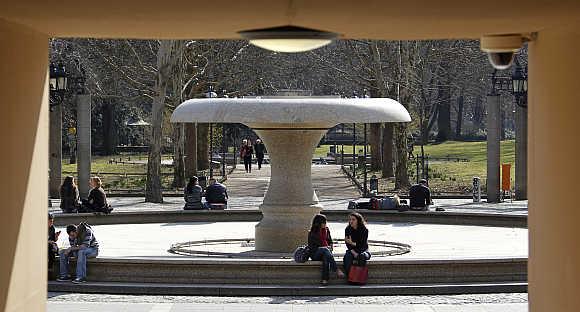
(288, 39)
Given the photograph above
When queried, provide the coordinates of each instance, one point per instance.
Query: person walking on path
(320, 246)
(69, 196)
(246, 152)
(83, 245)
(355, 236)
(192, 195)
(259, 149)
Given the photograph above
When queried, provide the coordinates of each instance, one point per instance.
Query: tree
(166, 61)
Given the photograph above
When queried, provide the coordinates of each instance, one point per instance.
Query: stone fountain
(291, 128)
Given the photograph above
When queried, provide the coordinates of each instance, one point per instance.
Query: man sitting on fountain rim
(420, 196)
(216, 195)
(84, 245)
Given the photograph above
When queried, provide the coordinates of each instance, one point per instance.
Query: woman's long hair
(360, 221)
(97, 181)
(68, 186)
(192, 182)
(317, 222)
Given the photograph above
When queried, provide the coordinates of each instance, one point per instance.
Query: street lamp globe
(519, 81)
(57, 77)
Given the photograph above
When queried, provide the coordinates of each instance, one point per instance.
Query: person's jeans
(328, 264)
(248, 164)
(260, 160)
(348, 258)
(82, 256)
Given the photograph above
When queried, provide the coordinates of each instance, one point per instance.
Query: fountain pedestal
(290, 202)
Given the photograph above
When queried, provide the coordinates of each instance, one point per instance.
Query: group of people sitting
(70, 201)
(82, 245)
(216, 195)
(320, 245)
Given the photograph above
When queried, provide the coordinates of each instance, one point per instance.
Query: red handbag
(358, 274)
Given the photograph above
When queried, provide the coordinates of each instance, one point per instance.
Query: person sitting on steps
(69, 196)
(216, 195)
(192, 195)
(97, 200)
(420, 196)
(83, 245)
(320, 246)
(355, 236)
(52, 246)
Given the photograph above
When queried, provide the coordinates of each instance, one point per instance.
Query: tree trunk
(380, 90)
(401, 174)
(375, 142)
(190, 150)
(459, 123)
(153, 192)
(178, 156)
(444, 116)
(202, 146)
(109, 128)
(387, 170)
(400, 129)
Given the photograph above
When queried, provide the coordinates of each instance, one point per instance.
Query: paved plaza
(428, 241)
(333, 188)
(465, 303)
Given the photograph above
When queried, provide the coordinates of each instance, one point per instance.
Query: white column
(493, 147)
(290, 202)
(83, 143)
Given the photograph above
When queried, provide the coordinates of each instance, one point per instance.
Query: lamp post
(224, 145)
(520, 92)
(210, 94)
(57, 90)
(58, 80)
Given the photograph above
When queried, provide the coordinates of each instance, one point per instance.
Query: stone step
(454, 218)
(286, 290)
(262, 272)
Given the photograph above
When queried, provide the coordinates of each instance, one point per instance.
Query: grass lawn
(130, 174)
(448, 176)
(458, 176)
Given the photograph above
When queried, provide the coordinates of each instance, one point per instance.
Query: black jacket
(259, 149)
(359, 237)
(69, 199)
(314, 241)
(97, 199)
(419, 196)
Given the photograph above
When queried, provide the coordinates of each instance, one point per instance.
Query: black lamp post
(58, 80)
(211, 94)
(520, 85)
(224, 145)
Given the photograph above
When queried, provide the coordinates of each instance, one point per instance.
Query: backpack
(301, 254)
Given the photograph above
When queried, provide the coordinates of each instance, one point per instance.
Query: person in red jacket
(320, 246)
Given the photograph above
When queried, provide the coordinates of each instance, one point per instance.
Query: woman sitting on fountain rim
(355, 236)
(192, 195)
(320, 245)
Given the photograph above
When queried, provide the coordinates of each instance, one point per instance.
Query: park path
(334, 190)
(247, 190)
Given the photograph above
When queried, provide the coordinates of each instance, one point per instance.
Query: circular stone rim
(294, 112)
(180, 249)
